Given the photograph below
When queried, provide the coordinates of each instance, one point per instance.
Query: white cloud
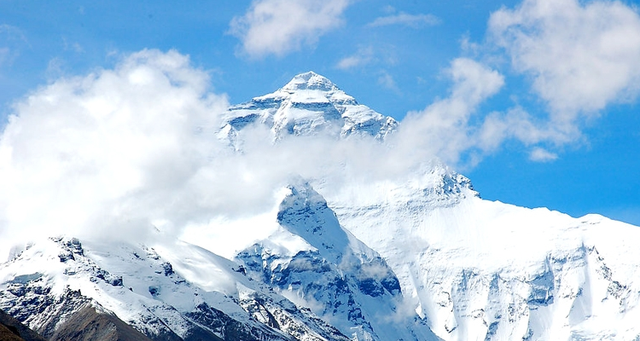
(443, 128)
(516, 123)
(411, 20)
(385, 79)
(280, 26)
(541, 155)
(114, 152)
(581, 56)
(362, 57)
(109, 152)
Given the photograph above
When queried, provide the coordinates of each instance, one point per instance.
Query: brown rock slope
(87, 324)
(11, 329)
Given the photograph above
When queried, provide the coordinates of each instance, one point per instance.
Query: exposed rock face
(88, 324)
(12, 329)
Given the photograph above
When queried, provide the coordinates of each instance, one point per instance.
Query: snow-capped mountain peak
(310, 81)
(309, 104)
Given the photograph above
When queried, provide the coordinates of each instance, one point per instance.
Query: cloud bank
(108, 150)
(278, 27)
(362, 57)
(120, 151)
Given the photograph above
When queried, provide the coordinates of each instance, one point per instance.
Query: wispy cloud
(12, 40)
(72, 46)
(4, 55)
(362, 57)
(278, 27)
(542, 155)
(411, 20)
(386, 79)
(12, 33)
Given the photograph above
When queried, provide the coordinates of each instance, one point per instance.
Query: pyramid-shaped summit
(309, 104)
(310, 81)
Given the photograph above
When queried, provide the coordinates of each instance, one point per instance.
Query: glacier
(419, 256)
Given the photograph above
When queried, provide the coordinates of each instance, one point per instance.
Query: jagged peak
(310, 81)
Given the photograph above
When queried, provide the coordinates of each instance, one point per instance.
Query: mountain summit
(310, 81)
(309, 104)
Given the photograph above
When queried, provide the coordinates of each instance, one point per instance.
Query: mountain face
(419, 257)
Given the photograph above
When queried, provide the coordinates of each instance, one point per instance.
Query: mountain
(420, 256)
(308, 104)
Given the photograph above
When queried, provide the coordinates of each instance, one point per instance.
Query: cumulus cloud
(120, 151)
(279, 26)
(405, 19)
(107, 149)
(581, 56)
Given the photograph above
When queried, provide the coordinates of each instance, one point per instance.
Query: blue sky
(539, 97)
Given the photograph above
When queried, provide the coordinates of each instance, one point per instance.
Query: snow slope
(482, 270)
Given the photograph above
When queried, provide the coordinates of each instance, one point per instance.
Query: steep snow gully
(416, 257)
